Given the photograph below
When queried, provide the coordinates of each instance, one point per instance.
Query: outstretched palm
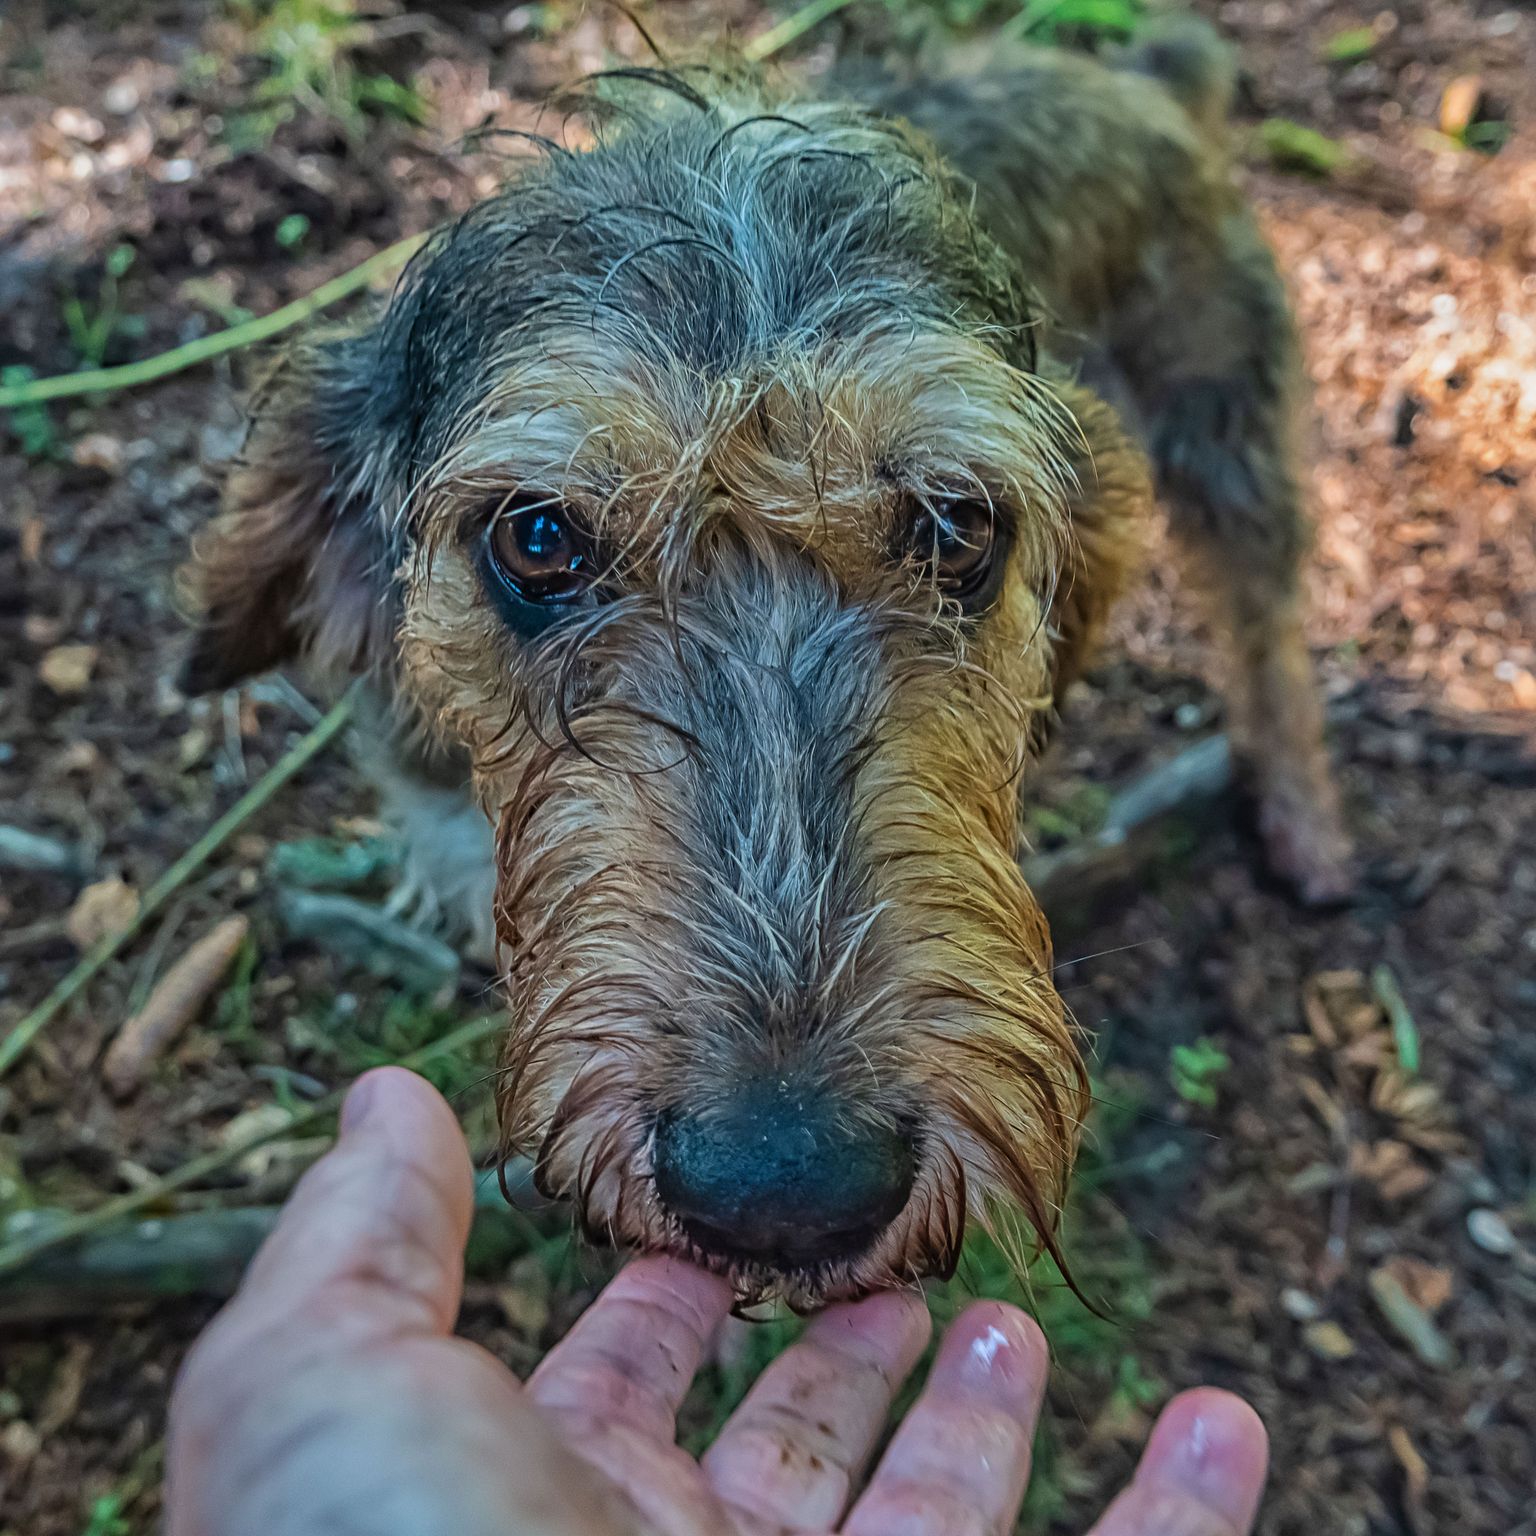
(330, 1396)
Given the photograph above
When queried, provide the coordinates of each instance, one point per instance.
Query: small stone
(20, 849)
(178, 170)
(1189, 717)
(121, 97)
(1491, 1233)
(78, 125)
(1328, 1341)
(99, 450)
(79, 757)
(217, 445)
(19, 1442)
(1299, 1305)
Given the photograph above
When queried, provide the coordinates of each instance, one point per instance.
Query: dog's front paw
(1308, 848)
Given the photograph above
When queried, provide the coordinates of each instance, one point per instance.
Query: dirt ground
(1340, 1232)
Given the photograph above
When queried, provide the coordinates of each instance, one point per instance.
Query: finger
(790, 1453)
(632, 1355)
(377, 1227)
(959, 1463)
(614, 1384)
(1201, 1474)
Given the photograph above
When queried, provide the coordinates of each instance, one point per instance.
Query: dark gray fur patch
(686, 240)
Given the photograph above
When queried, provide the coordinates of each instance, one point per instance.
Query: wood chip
(1328, 1341)
(1392, 1167)
(1340, 1007)
(1459, 104)
(102, 908)
(1412, 1324)
(171, 1007)
(67, 669)
(1415, 1478)
(65, 1390)
(1429, 1285)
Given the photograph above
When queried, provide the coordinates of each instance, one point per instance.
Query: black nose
(783, 1176)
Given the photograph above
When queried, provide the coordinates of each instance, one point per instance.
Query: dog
(718, 514)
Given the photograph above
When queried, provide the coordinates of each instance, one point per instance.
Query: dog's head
(707, 488)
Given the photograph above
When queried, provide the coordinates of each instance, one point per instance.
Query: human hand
(330, 1397)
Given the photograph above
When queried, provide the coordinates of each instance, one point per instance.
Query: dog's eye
(539, 552)
(957, 537)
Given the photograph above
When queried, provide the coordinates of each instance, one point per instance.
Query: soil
(1324, 1176)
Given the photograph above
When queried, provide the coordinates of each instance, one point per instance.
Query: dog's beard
(615, 1019)
(769, 835)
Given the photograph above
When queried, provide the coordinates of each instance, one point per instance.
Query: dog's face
(703, 488)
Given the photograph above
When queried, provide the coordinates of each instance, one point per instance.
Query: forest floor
(1281, 1200)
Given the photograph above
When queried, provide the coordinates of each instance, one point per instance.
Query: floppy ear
(1110, 511)
(300, 562)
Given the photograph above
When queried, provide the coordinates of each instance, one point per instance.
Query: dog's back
(1081, 170)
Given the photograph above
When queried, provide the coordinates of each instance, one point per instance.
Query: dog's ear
(301, 560)
(1110, 508)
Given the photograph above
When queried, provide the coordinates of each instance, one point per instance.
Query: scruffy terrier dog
(722, 511)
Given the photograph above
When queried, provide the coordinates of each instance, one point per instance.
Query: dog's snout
(781, 1176)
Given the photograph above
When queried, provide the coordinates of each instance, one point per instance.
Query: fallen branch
(173, 1004)
(1143, 822)
(203, 1254)
(17, 1042)
(55, 1232)
(97, 381)
(792, 28)
(27, 851)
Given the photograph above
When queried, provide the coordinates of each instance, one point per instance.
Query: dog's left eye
(957, 538)
(538, 551)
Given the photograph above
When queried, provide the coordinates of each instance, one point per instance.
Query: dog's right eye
(539, 553)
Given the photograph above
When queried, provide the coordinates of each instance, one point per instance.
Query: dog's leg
(448, 853)
(1227, 469)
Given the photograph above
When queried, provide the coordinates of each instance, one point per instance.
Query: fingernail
(1193, 1463)
(986, 1347)
(359, 1103)
(1218, 1458)
(1003, 1351)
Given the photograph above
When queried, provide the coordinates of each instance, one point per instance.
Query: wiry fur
(755, 811)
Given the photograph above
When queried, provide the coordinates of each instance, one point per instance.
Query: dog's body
(725, 508)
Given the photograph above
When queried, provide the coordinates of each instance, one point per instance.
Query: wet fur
(756, 814)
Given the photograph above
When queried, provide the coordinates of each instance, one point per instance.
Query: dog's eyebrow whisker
(1099, 954)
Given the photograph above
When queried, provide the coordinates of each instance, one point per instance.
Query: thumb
(378, 1225)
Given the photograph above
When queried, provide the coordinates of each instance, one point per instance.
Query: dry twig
(54, 1233)
(173, 1004)
(15, 1045)
(98, 381)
